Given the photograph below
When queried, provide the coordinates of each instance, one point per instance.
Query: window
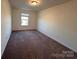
(24, 19)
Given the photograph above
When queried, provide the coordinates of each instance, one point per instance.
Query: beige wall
(59, 23)
(5, 23)
(17, 19)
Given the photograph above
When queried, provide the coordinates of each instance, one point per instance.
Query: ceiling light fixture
(34, 2)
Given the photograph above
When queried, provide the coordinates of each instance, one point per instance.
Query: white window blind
(24, 19)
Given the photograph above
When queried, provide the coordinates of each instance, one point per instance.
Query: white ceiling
(23, 4)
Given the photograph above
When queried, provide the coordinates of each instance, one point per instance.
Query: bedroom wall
(17, 19)
(59, 22)
(6, 26)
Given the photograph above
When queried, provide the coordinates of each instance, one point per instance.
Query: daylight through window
(24, 19)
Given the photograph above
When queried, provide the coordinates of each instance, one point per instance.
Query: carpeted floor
(35, 45)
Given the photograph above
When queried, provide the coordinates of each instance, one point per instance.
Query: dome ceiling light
(34, 2)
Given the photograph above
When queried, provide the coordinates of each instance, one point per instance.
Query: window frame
(25, 15)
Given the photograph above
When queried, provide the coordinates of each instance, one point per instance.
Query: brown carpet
(35, 45)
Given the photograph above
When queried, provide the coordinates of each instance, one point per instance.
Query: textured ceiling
(23, 4)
